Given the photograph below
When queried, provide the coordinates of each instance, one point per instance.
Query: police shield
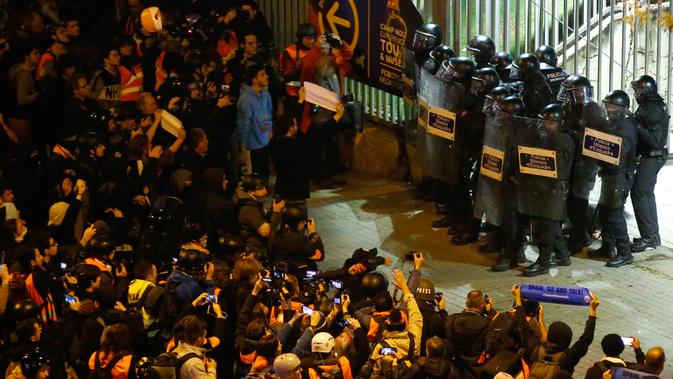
(495, 162)
(544, 159)
(440, 151)
(598, 148)
(614, 189)
(410, 90)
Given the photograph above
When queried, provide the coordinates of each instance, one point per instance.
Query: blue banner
(556, 294)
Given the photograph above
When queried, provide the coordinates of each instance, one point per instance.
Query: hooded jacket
(399, 340)
(254, 118)
(187, 288)
(194, 368)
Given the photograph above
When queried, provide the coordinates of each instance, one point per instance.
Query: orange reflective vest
(131, 83)
(160, 73)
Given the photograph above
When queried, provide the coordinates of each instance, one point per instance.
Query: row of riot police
(514, 145)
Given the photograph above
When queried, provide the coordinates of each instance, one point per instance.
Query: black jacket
(465, 333)
(652, 121)
(536, 94)
(289, 156)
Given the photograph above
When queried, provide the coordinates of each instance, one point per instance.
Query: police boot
(442, 223)
(607, 251)
(620, 260)
(493, 244)
(541, 266)
(503, 263)
(464, 238)
(645, 243)
(443, 209)
(562, 257)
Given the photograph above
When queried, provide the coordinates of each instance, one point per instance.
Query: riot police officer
(615, 180)
(502, 62)
(483, 49)
(536, 93)
(256, 225)
(582, 112)
(544, 199)
(548, 66)
(651, 118)
(438, 55)
(459, 70)
(512, 229)
(297, 242)
(426, 38)
(473, 120)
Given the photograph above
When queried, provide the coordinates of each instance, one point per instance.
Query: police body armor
(555, 76)
(441, 153)
(544, 158)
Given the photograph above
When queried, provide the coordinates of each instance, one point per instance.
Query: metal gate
(609, 41)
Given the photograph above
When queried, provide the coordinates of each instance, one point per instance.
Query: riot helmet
(576, 89)
(373, 283)
(482, 47)
(442, 53)
(25, 309)
(458, 69)
(512, 105)
(554, 115)
(644, 88)
(101, 246)
(493, 97)
(426, 38)
(616, 105)
(524, 66)
(228, 243)
(484, 80)
(501, 60)
(546, 54)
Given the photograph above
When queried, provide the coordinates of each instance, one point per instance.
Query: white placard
(321, 97)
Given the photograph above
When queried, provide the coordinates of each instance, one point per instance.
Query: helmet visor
(477, 86)
(579, 95)
(423, 41)
(449, 72)
(614, 111)
(489, 105)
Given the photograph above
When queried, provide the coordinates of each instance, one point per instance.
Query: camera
(411, 255)
(333, 41)
(387, 351)
(337, 300)
(336, 284)
(211, 299)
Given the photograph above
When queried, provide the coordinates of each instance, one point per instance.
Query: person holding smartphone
(613, 346)
(297, 242)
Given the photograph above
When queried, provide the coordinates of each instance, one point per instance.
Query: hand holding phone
(211, 299)
(337, 300)
(628, 341)
(306, 310)
(388, 351)
(70, 299)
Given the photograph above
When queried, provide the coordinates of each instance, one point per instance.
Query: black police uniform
(614, 232)
(251, 217)
(554, 75)
(652, 121)
(536, 94)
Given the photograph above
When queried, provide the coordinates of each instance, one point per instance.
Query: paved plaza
(377, 212)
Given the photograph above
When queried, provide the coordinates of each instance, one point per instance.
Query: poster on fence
(378, 32)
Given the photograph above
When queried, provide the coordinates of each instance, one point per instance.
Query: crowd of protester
(137, 242)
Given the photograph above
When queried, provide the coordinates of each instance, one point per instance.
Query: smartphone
(64, 266)
(338, 284)
(343, 323)
(310, 274)
(268, 280)
(337, 300)
(70, 300)
(175, 260)
(388, 351)
(628, 341)
(306, 310)
(211, 299)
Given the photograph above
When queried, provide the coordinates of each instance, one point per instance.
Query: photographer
(191, 277)
(255, 224)
(297, 242)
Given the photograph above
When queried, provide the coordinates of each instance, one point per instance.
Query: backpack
(500, 335)
(161, 303)
(165, 366)
(406, 367)
(546, 365)
(100, 372)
